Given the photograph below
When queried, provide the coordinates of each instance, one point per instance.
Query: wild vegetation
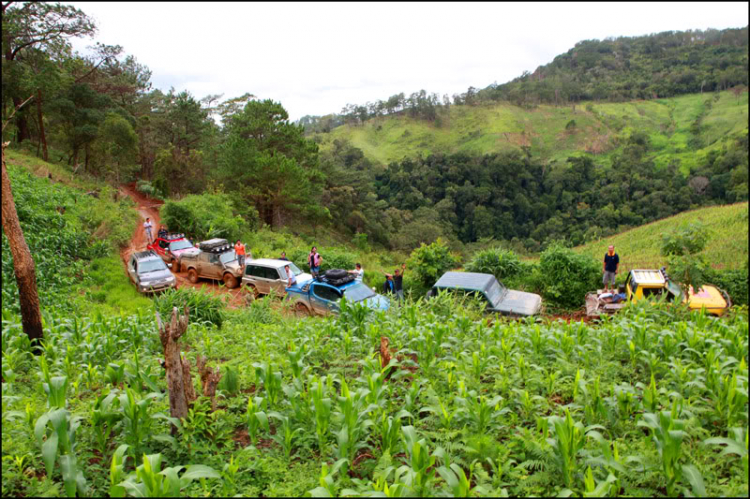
(432, 397)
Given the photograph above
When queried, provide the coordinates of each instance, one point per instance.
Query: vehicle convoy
(645, 283)
(487, 288)
(266, 275)
(149, 273)
(215, 260)
(321, 296)
(171, 246)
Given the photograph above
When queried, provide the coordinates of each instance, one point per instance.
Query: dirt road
(149, 207)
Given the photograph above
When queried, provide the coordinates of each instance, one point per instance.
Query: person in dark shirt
(283, 256)
(398, 281)
(611, 267)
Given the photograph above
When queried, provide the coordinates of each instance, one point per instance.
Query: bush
(146, 187)
(734, 282)
(205, 216)
(496, 261)
(429, 262)
(566, 276)
(202, 306)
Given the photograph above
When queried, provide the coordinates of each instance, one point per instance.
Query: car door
(263, 279)
(162, 248)
(132, 268)
(324, 299)
(277, 280)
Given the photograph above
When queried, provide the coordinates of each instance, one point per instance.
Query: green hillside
(683, 128)
(640, 247)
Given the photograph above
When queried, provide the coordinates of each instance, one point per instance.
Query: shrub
(566, 276)
(496, 261)
(429, 262)
(734, 282)
(203, 306)
(146, 187)
(204, 216)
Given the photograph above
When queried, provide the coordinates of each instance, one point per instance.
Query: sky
(315, 58)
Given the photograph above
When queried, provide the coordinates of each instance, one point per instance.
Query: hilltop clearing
(684, 129)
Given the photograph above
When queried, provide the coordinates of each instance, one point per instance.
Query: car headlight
(170, 278)
(146, 285)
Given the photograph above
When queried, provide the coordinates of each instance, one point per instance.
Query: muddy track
(149, 207)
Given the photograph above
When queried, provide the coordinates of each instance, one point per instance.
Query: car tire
(336, 274)
(193, 276)
(230, 281)
(301, 310)
(252, 290)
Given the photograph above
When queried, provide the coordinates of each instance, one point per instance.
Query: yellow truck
(644, 283)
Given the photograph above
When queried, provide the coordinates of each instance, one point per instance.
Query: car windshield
(358, 292)
(180, 245)
(295, 270)
(152, 265)
(495, 291)
(227, 256)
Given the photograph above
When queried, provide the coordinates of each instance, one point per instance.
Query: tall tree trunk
(40, 117)
(21, 123)
(23, 264)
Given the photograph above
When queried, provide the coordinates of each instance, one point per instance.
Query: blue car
(317, 297)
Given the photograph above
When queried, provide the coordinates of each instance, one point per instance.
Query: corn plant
(296, 356)
(256, 417)
(419, 470)
(667, 433)
(103, 416)
(286, 434)
(389, 430)
(149, 480)
(329, 486)
(480, 412)
(568, 441)
(321, 405)
(736, 445)
(459, 485)
(353, 415)
(56, 390)
(59, 428)
(115, 373)
(271, 381)
(446, 416)
(136, 418)
(116, 471)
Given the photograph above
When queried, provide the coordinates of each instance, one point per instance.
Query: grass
(108, 289)
(600, 128)
(641, 247)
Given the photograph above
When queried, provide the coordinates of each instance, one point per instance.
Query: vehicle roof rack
(142, 255)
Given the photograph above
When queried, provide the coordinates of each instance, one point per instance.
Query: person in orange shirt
(239, 250)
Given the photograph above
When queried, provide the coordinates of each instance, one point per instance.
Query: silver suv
(263, 275)
(215, 260)
(149, 273)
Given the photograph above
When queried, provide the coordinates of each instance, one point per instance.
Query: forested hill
(614, 70)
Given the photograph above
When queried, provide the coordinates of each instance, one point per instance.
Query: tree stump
(209, 380)
(178, 373)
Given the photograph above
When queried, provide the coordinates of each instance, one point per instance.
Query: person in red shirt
(239, 250)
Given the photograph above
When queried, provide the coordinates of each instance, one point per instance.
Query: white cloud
(315, 58)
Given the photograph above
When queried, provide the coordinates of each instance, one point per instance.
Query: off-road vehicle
(171, 246)
(646, 283)
(487, 288)
(215, 260)
(264, 275)
(149, 273)
(321, 296)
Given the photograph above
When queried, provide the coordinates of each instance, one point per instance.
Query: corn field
(651, 402)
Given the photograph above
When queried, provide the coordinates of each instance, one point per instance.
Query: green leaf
(49, 453)
(199, 471)
(695, 478)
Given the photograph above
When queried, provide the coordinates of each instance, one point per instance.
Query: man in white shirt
(359, 272)
(148, 226)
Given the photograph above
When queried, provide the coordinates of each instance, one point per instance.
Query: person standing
(283, 256)
(611, 267)
(239, 250)
(359, 273)
(148, 227)
(313, 261)
(398, 281)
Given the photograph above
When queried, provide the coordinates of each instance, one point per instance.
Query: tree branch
(18, 107)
